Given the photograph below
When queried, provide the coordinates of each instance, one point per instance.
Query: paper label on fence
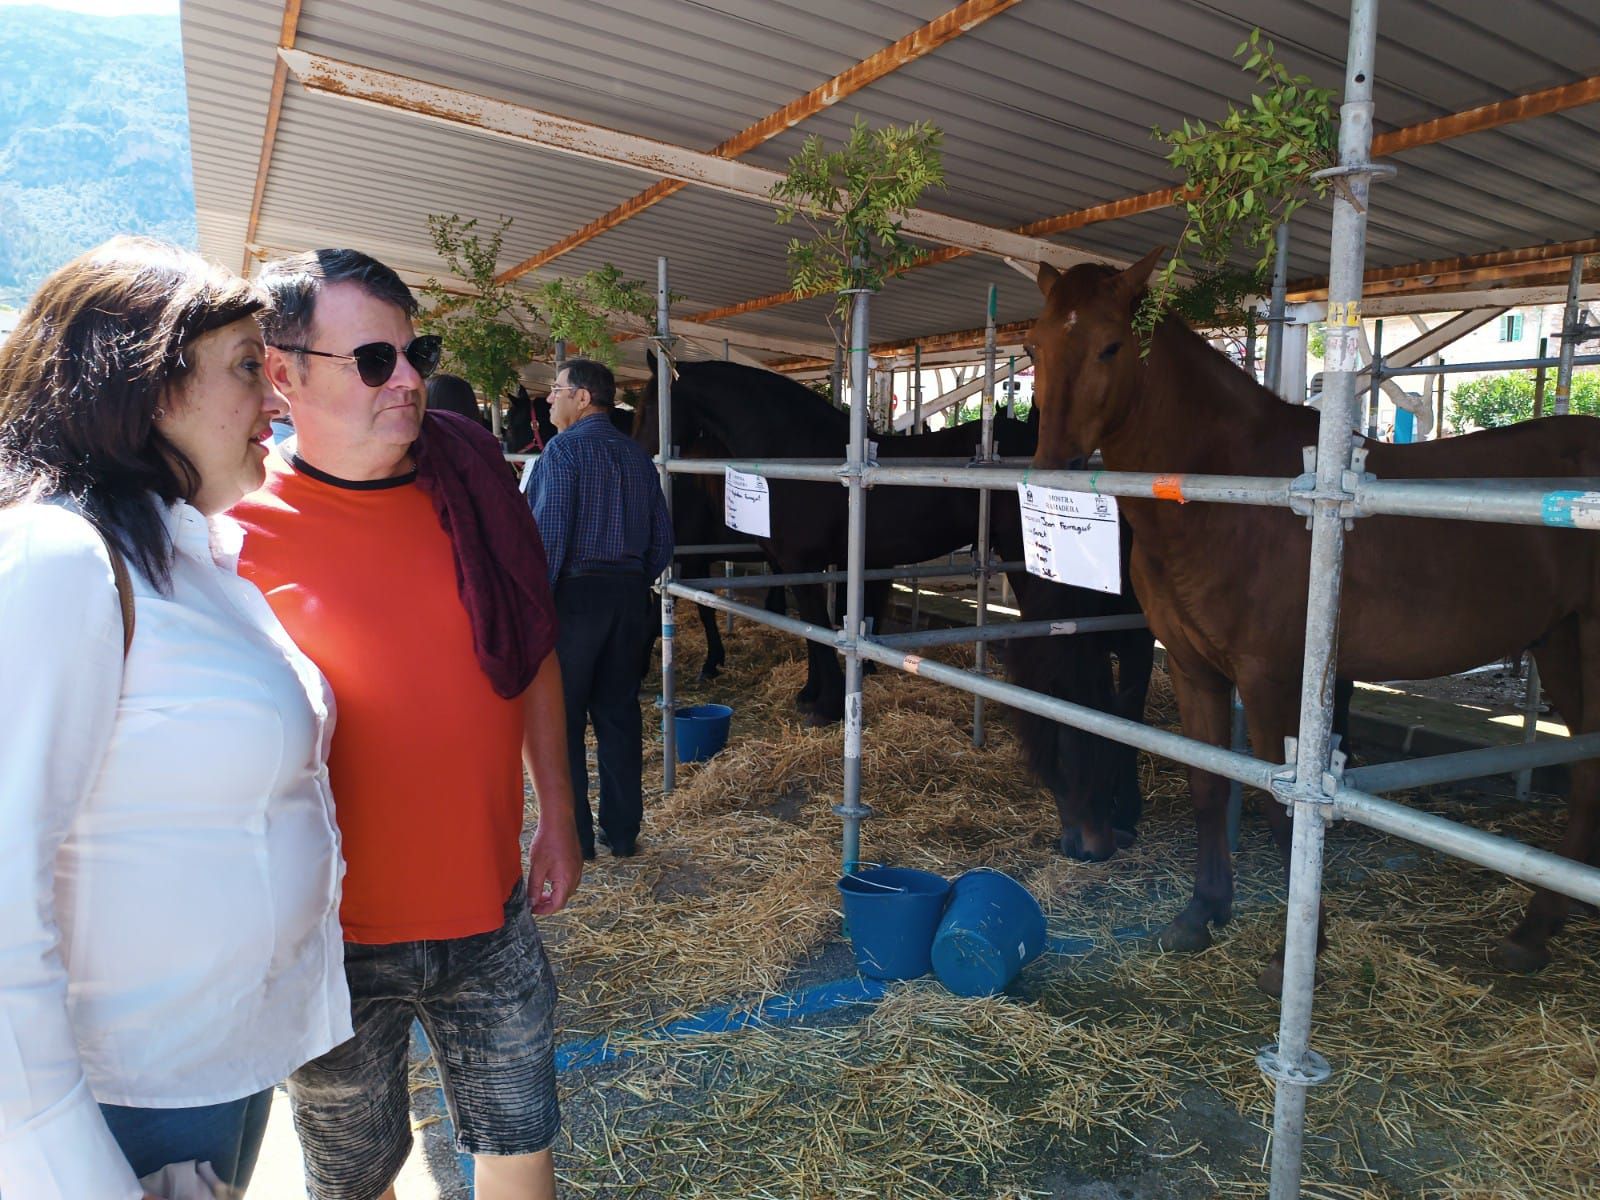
(1071, 537)
(746, 503)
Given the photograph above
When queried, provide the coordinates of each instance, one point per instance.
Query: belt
(606, 570)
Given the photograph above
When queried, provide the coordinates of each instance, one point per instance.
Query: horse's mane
(758, 413)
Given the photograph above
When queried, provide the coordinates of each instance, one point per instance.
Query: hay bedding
(1125, 1064)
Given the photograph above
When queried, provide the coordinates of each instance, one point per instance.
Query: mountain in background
(94, 138)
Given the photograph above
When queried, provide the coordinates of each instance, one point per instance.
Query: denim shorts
(228, 1136)
(487, 1004)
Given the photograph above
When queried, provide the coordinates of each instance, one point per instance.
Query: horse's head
(687, 425)
(1085, 355)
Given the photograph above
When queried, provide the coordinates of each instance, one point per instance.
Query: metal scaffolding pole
(985, 454)
(1273, 367)
(916, 391)
(1290, 1062)
(1569, 340)
(1530, 723)
(796, 578)
(1538, 379)
(836, 379)
(669, 741)
(1351, 802)
(1375, 390)
(1562, 501)
(851, 810)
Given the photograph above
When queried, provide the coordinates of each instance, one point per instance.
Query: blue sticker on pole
(1572, 510)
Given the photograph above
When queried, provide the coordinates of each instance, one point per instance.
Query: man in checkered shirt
(607, 536)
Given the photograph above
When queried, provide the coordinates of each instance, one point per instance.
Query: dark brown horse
(1224, 585)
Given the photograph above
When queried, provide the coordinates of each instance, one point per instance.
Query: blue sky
(100, 8)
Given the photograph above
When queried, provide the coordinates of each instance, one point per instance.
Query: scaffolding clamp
(1303, 493)
(1288, 793)
(1308, 1072)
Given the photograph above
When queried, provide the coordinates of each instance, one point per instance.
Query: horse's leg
(1084, 768)
(1569, 669)
(1136, 652)
(1204, 698)
(777, 601)
(1344, 692)
(812, 605)
(1271, 711)
(716, 654)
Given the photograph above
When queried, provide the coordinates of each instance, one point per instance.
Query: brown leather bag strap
(119, 574)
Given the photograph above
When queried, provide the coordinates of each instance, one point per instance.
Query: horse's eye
(1110, 351)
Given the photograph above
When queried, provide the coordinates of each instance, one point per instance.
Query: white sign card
(1071, 537)
(746, 503)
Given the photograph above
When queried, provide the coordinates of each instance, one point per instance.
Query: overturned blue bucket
(891, 913)
(991, 929)
(701, 730)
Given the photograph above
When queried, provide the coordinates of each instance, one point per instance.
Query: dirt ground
(1108, 1070)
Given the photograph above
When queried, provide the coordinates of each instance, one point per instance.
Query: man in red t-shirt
(351, 553)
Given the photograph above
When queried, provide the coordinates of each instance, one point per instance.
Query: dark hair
(594, 377)
(94, 355)
(453, 394)
(294, 283)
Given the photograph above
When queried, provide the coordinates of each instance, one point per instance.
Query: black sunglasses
(376, 361)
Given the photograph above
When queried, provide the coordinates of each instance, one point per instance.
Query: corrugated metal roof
(1045, 108)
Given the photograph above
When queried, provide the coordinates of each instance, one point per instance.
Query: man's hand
(555, 860)
(555, 865)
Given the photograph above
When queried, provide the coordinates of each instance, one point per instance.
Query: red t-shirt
(426, 762)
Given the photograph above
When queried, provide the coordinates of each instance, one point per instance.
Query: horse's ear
(1047, 278)
(1130, 283)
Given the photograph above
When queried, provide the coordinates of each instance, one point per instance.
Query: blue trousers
(228, 1136)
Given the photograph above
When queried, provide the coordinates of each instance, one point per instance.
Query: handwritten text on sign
(746, 503)
(1071, 537)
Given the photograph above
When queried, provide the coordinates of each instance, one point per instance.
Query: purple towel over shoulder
(500, 567)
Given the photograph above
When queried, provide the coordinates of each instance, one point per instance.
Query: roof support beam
(1472, 120)
(956, 395)
(1432, 342)
(921, 41)
(1476, 268)
(269, 134)
(452, 107)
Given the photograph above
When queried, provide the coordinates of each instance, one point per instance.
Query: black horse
(752, 414)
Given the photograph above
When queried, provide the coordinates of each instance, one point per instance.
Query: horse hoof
(1519, 957)
(805, 704)
(1182, 938)
(1270, 980)
(817, 719)
(707, 674)
(1582, 908)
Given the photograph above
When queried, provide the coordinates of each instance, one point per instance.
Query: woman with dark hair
(451, 393)
(169, 936)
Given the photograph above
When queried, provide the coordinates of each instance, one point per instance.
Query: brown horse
(1224, 585)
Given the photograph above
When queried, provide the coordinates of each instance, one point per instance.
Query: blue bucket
(702, 730)
(891, 913)
(992, 928)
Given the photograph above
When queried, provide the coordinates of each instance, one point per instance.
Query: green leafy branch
(853, 200)
(580, 310)
(490, 331)
(1246, 174)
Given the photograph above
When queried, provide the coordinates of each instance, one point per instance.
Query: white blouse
(169, 862)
